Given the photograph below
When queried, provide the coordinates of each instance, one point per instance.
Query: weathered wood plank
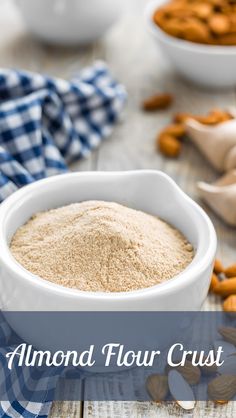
(67, 410)
(72, 409)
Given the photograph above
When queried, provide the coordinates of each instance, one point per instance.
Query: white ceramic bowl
(147, 190)
(206, 65)
(69, 22)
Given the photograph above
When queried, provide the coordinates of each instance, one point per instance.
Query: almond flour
(101, 246)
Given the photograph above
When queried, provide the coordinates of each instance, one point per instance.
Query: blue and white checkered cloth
(30, 390)
(46, 123)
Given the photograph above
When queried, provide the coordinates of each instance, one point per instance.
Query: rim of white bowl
(181, 43)
(189, 274)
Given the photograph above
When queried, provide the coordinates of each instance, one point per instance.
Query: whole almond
(221, 115)
(226, 288)
(180, 389)
(219, 23)
(227, 39)
(159, 16)
(214, 282)
(176, 129)
(201, 9)
(229, 334)
(190, 373)
(182, 117)
(229, 304)
(210, 119)
(158, 102)
(222, 388)
(208, 370)
(169, 145)
(231, 271)
(218, 266)
(221, 402)
(205, 370)
(173, 26)
(195, 30)
(214, 117)
(157, 387)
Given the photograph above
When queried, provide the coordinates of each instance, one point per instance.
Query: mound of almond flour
(101, 246)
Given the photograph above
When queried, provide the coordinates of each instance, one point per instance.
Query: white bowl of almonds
(199, 38)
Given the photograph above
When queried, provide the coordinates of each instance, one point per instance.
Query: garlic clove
(232, 111)
(221, 196)
(215, 142)
(228, 179)
(230, 159)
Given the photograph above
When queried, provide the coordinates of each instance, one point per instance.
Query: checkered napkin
(46, 123)
(25, 392)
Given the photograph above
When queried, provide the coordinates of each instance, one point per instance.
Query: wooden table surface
(137, 63)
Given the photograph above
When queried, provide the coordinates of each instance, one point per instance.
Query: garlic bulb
(217, 143)
(221, 196)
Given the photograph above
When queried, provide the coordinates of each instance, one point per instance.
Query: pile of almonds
(169, 141)
(223, 283)
(221, 389)
(158, 101)
(207, 22)
(160, 386)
